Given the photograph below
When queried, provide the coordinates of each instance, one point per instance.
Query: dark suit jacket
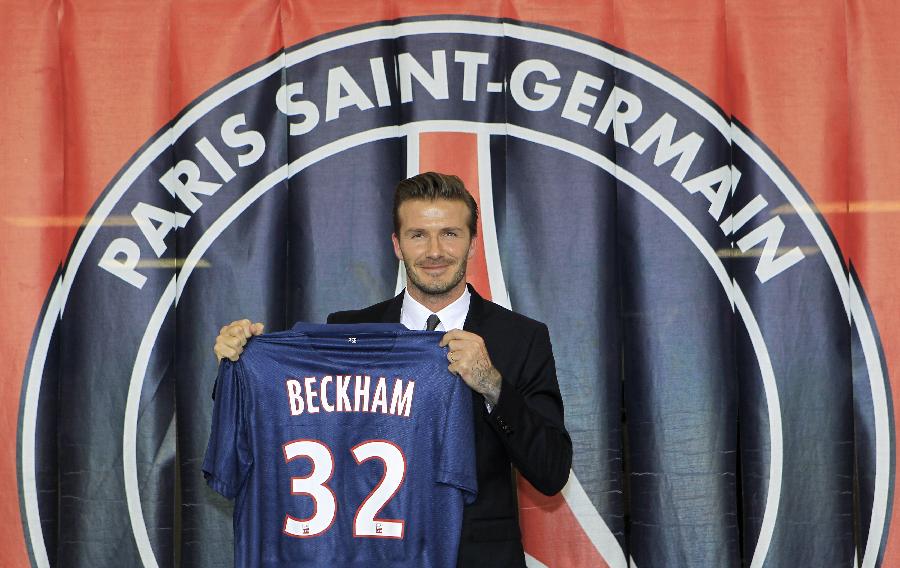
(524, 429)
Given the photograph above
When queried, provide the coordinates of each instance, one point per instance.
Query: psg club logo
(600, 156)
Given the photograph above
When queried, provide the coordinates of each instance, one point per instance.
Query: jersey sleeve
(228, 453)
(457, 453)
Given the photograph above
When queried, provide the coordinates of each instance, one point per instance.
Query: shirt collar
(413, 314)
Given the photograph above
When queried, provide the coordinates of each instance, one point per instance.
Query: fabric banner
(698, 200)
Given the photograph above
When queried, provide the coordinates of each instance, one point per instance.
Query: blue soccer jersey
(343, 446)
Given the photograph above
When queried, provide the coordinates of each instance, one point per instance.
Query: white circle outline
(59, 295)
(217, 227)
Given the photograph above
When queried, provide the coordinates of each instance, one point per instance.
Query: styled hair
(431, 186)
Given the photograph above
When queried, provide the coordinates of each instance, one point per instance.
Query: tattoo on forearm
(489, 381)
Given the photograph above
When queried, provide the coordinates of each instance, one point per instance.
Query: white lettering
(287, 104)
(548, 93)
(578, 97)
(470, 60)
(685, 149)
(725, 179)
(733, 225)
(379, 77)
(614, 113)
(770, 266)
(343, 400)
(323, 394)
(361, 393)
(380, 398)
(401, 399)
(145, 214)
(340, 81)
(295, 397)
(435, 84)
(311, 395)
(183, 181)
(125, 268)
(215, 159)
(302, 395)
(235, 139)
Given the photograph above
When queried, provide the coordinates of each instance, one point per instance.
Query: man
(504, 357)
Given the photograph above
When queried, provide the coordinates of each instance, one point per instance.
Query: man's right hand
(232, 338)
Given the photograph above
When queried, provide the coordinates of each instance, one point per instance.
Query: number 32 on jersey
(365, 525)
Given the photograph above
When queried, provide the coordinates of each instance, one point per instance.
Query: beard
(438, 288)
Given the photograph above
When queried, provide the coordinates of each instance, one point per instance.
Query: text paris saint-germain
(594, 103)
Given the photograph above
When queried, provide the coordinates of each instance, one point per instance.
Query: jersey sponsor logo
(559, 93)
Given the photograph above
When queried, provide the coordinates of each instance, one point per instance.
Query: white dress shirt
(414, 315)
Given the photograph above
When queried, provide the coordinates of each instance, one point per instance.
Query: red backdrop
(84, 84)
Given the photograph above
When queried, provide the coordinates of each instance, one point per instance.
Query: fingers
(460, 360)
(455, 345)
(455, 334)
(242, 327)
(229, 346)
(458, 335)
(466, 354)
(228, 350)
(464, 344)
(462, 365)
(233, 336)
(225, 352)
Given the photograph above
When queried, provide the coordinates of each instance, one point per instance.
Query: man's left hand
(470, 360)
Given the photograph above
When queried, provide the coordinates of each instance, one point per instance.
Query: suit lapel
(392, 310)
(476, 312)
(473, 325)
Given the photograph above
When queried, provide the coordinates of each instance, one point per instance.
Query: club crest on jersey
(556, 97)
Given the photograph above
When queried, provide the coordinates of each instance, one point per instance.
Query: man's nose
(434, 246)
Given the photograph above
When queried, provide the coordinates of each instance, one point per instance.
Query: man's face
(434, 244)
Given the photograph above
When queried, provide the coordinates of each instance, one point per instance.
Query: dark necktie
(432, 322)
